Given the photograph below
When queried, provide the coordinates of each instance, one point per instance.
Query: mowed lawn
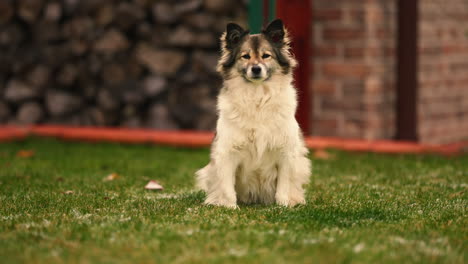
(55, 207)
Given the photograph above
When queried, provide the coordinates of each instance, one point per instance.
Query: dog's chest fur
(258, 117)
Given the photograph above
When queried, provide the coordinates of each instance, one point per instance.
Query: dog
(258, 154)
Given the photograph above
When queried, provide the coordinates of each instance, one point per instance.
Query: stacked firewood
(135, 63)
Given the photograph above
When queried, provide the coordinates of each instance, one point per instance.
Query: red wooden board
(296, 14)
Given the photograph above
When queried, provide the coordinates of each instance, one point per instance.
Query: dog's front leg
(282, 183)
(222, 192)
(289, 191)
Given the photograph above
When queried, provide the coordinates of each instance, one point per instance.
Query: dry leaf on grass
(323, 154)
(456, 195)
(68, 192)
(111, 177)
(153, 185)
(25, 153)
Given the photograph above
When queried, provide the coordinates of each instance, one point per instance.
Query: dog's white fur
(258, 155)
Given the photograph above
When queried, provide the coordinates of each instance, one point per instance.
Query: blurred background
(370, 69)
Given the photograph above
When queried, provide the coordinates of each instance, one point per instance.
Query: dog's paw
(223, 203)
(289, 201)
(282, 200)
(295, 201)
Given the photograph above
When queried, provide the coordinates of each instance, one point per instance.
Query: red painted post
(266, 12)
(296, 15)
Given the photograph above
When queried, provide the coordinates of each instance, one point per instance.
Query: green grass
(361, 208)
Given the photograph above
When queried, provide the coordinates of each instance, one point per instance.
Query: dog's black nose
(256, 69)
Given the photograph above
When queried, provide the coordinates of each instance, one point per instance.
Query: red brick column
(354, 68)
(443, 71)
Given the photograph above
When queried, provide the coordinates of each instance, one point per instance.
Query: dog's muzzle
(256, 72)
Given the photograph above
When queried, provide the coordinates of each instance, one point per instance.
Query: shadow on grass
(332, 216)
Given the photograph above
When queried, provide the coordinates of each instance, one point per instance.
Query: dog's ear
(234, 35)
(275, 32)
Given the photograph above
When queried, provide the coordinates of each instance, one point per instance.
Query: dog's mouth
(255, 79)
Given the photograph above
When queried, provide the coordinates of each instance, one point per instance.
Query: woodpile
(133, 63)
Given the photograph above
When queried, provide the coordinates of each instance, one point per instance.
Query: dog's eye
(246, 56)
(265, 56)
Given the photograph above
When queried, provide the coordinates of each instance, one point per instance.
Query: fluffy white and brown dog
(258, 154)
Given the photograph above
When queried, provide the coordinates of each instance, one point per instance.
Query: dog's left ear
(275, 32)
(234, 35)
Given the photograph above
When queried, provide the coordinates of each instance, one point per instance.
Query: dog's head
(256, 58)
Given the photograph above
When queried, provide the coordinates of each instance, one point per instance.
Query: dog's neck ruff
(253, 103)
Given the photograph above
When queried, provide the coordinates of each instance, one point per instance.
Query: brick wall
(354, 68)
(443, 71)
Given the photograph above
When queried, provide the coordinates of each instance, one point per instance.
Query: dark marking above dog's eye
(246, 56)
